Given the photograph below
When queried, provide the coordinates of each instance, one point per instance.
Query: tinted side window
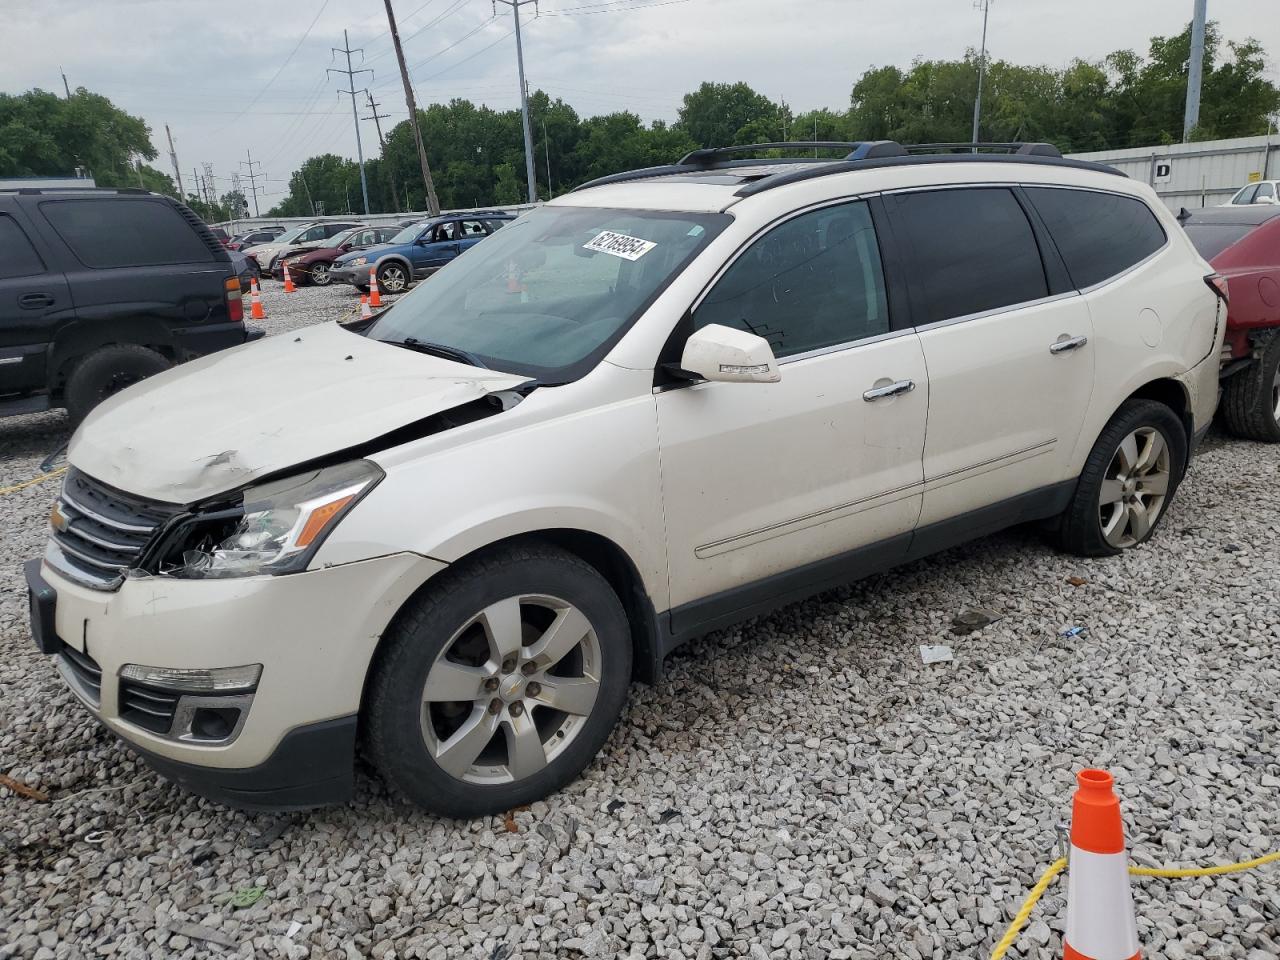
(125, 233)
(17, 257)
(472, 228)
(972, 250)
(815, 281)
(495, 225)
(1265, 192)
(1098, 234)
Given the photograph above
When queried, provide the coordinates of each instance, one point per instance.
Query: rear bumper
(198, 341)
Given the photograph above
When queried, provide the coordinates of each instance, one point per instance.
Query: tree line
(477, 153)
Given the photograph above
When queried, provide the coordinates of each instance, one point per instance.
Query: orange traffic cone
(256, 311)
(288, 280)
(365, 312)
(513, 277)
(375, 298)
(1100, 920)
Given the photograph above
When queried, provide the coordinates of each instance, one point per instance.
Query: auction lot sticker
(619, 245)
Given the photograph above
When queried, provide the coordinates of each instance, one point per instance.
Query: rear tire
(1128, 482)
(106, 372)
(459, 712)
(1251, 399)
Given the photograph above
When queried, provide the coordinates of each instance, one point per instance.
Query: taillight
(235, 301)
(1218, 284)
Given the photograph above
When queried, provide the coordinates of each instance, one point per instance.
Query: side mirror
(720, 353)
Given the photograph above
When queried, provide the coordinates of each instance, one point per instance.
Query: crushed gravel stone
(801, 786)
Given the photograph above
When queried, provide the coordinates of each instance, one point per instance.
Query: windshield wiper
(438, 350)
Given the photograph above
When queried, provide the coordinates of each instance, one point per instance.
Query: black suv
(100, 288)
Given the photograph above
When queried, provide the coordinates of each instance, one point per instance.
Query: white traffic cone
(1100, 921)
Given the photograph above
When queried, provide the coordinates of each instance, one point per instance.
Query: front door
(766, 485)
(1010, 360)
(33, 301)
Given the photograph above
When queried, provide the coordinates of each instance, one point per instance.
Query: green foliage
(42, 134)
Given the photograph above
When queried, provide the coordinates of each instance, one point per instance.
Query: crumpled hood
(216, 423)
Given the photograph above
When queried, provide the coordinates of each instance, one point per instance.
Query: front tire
(1251, 399)
(392, 278)
(1128, 481)
(320, 274)
(500, 683)
(106, 372)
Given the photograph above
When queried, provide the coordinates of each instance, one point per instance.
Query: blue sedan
(417, 251)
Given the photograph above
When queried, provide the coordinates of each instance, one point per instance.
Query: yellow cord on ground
(1205, 871)
(1055, 868)
(1028, 905)
(33, 481)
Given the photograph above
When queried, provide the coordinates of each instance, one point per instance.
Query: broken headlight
(277, 527)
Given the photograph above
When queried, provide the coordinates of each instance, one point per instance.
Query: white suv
(665, 402)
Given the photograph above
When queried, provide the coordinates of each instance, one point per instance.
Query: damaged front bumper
(285, 740)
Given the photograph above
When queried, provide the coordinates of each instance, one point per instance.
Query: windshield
(408, 234)
(547, 294)
(338, 239)
(1210, 239)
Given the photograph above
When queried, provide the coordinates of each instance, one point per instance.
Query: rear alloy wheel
(499, 684)
(1133, 494)
(1128, 481)
(320, 274)
(392, 278)
(1251, 398)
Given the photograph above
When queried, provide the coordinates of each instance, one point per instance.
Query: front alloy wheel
(511, 690)
(320, 274)
(392, 278)
(500, 682)
(1133, 493)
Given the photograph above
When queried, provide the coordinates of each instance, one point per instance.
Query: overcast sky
(249, 76)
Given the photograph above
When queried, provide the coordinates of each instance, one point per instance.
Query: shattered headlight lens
(276, 529)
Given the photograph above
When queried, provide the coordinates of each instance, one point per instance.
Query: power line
(279, 71)
(355, 116)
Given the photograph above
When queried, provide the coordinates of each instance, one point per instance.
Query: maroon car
(1243, 245)
(312, 265)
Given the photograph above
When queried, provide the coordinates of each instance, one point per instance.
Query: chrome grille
(148, 707)
(82, 671)
(99, 531)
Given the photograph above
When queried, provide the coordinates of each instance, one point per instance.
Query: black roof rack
(861, 155)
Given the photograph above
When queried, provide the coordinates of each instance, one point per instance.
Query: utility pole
(307, 190)
(173, 157)
(982, 69)
(195, 183)
(1195, 70)
(433, 203)
(211, 190)
(355, 116)
(377, 117)
(515, 6)
(65, 86)
(253, 179)
(546, 145)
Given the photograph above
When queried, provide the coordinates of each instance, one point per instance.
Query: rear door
(1006, 343)
(138, 258)
(470, 232)
(34, 300)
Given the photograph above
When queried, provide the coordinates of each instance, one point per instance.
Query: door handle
(34, 301)
(1066, 346)
(891, 390)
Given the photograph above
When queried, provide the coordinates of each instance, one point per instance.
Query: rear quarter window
(1099, 235)
(17, 257)
(125, 233)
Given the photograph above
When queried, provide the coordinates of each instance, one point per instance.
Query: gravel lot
(801, 786)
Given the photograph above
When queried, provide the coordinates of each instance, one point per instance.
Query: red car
(312, 265)
(1243, 245)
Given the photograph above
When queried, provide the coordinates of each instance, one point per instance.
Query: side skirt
(723, 609)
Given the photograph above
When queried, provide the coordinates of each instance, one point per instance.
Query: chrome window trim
(996, 311)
